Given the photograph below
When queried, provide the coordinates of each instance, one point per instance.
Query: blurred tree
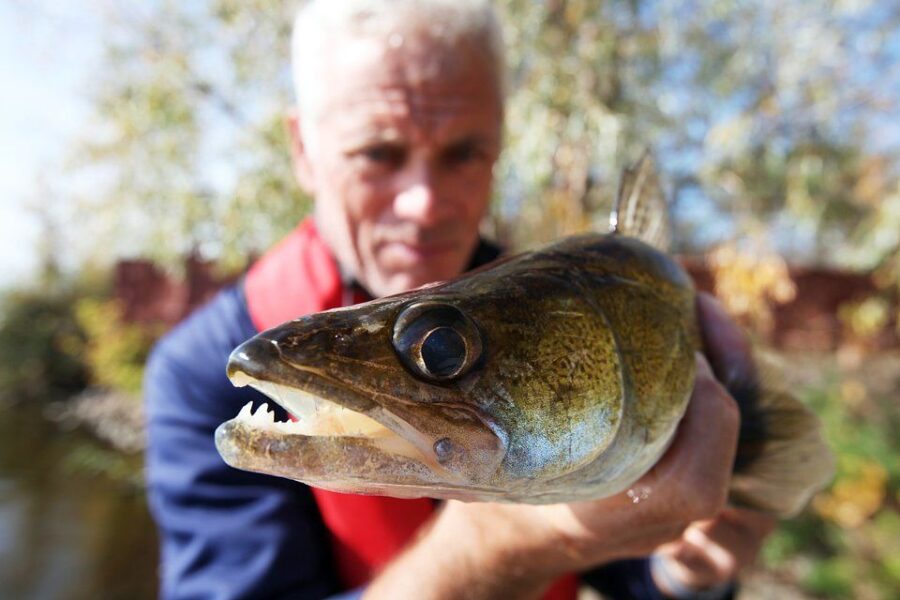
(768, 115)
(40, 343)
(761, 113)
(114, 351)
(187, 152)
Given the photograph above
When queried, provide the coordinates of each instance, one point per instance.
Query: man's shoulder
(186, 368)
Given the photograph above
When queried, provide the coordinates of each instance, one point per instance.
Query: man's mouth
(419, 250)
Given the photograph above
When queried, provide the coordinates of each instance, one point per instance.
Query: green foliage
(114, 351)
(90, 458)
(55, 339)
(40, 344)
(188, 152)
(848, 544)
(832, 578)
(761, 113)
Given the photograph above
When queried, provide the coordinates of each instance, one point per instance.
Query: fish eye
(443, 351)
(436, 342)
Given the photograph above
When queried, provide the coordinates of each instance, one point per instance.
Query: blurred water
(65, 533)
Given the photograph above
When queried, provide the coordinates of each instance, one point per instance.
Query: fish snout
(253, 358)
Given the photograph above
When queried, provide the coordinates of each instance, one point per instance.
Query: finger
(698, 464)
(756, 523)
(697, 562)
(739, 532)
(712, 557)
(727, 548)
(724, 342)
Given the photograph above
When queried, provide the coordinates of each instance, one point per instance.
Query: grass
(847, 543)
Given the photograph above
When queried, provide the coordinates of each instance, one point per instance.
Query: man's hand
(711, 552)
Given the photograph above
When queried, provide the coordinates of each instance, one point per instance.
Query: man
(398, 128)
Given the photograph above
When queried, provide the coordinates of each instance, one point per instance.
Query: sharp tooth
(246, 411)
(260, 411)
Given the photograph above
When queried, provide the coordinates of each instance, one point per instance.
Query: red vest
(297, 277)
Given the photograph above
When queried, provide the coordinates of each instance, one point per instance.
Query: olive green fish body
(577, 367)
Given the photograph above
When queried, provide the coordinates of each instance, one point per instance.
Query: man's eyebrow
(473, 139)
(372, 136)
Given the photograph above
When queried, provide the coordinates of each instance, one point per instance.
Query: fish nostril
(444, 449)
(254, 357)
(341, 343)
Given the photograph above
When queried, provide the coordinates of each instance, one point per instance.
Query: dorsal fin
(640, 210)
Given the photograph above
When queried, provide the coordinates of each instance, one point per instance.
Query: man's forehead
(375, 83)
(401, 114)
(403, 100)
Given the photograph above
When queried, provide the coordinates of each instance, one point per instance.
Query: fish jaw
(348, 441)
(346, 463)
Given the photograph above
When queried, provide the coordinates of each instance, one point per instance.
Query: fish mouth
(336, 438)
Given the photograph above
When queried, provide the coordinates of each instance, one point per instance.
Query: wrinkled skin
(569, 369)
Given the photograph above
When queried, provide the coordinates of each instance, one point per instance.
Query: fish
(555, 375)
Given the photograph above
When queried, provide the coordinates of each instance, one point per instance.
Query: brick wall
(150, 295)
(809, 322)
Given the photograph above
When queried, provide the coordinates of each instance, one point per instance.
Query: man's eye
(384, 155)
(461, 154)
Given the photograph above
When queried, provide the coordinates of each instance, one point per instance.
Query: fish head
(439, 392)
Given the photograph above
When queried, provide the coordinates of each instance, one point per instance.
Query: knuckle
(730, 406)
(704, 502)
(728, 411)
(725, 567)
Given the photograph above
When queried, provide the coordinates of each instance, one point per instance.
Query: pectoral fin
(791, 461)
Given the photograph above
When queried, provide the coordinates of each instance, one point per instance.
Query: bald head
(430, 32)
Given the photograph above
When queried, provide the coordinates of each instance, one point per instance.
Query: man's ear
(299, 158)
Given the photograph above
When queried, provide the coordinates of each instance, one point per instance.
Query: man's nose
(417, 198)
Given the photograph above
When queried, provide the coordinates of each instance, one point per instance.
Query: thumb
(725, 344)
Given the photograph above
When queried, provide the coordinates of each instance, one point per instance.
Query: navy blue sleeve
(630, 580)
(224, 533)
(624, 580)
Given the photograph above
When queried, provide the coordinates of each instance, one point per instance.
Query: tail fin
(640, 209)
(782, 457)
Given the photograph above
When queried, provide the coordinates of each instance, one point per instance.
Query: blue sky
(46, 53)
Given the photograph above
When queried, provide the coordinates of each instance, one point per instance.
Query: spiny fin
(783, 459)
(640, 209)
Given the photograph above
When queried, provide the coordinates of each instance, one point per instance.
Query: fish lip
(229, 440)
